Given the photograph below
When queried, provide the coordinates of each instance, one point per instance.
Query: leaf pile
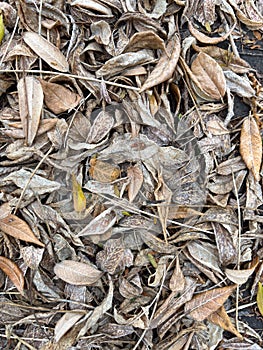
(130, 175)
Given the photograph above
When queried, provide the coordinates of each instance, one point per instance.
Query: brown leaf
(13, 272)
(209, 75)
(47, 51)
(135, 175)
(177, 280)
(101, 126)
(15, 227)
(103, 171)
(251, 146)
(30, 96)
(78, 273)
(165, 68)
(241, 276)
(204, 304)
(221, 318)
(145, 40)
(58, 98)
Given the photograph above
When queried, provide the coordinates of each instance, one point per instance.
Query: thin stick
(37, 71)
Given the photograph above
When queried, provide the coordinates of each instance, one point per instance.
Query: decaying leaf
(145, 40)
(251, 146)
(209, 75)
(58, 98)
(204, 304)
(47, 51)
(166, 66)
(13, 272)
(78, 273)
(16, 227)
(135, 175)
(103, 171)
(30, 96)
(221, 318)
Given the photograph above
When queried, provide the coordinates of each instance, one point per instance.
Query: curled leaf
(13, 272)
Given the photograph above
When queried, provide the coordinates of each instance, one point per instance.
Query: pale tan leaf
(241, 276)
(100, 224)
(101, 126)
(30, 95)
(204, 304)
(177, 280)
(94, 5)
(47, 51)
(135, 175)
(145, 40)
(78, 273)
(165, 68)
(251, 146)
(65, 323)
(15, 227)
(58, 98)
(221, 318)
(13, 272)
(209, 75)
(101, 32)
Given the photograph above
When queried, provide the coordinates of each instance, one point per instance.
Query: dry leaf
(177, 280)
(209, 75)
(65, 323)
(94, 5)
(103, 171)
(101, 224)
(135, 174)
(78, 273)
(79, 199)
(15, 227)
(30, 95)
(204, 304)
(101, 126)
(47, 51)
(241, 276)
(145, 40)
(58, 98)
(13, 272)
(251, 146)
(165, 68)
(221, 318)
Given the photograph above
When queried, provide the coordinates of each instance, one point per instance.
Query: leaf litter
(131, 175)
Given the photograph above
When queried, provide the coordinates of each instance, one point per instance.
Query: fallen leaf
(241, 276)
(103, 171)
(78, 273)
(204, 304)
(30, 95)
(165, 68)
(221, 318)
(101, 32)
(2, 28)
(100, 224)
(135, 175)
(144, 40)
(260, 298)
(15, 227)
(58, 98)
(93, 5)
(13, 272)
(177, 280)
(251, 146)
(239, 84)
(101, 126)
(79, 199)
(209, 75)
(47, 51)
(65, 323)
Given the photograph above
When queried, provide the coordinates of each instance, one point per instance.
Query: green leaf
(260, 298)
(2, 28)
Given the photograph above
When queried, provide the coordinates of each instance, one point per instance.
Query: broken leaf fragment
(221, 318)
(13, 272)
(78, 273)
(260, 298)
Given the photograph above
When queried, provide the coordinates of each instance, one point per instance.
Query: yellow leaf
(79, 199)
(260, 298)
(2, 28)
